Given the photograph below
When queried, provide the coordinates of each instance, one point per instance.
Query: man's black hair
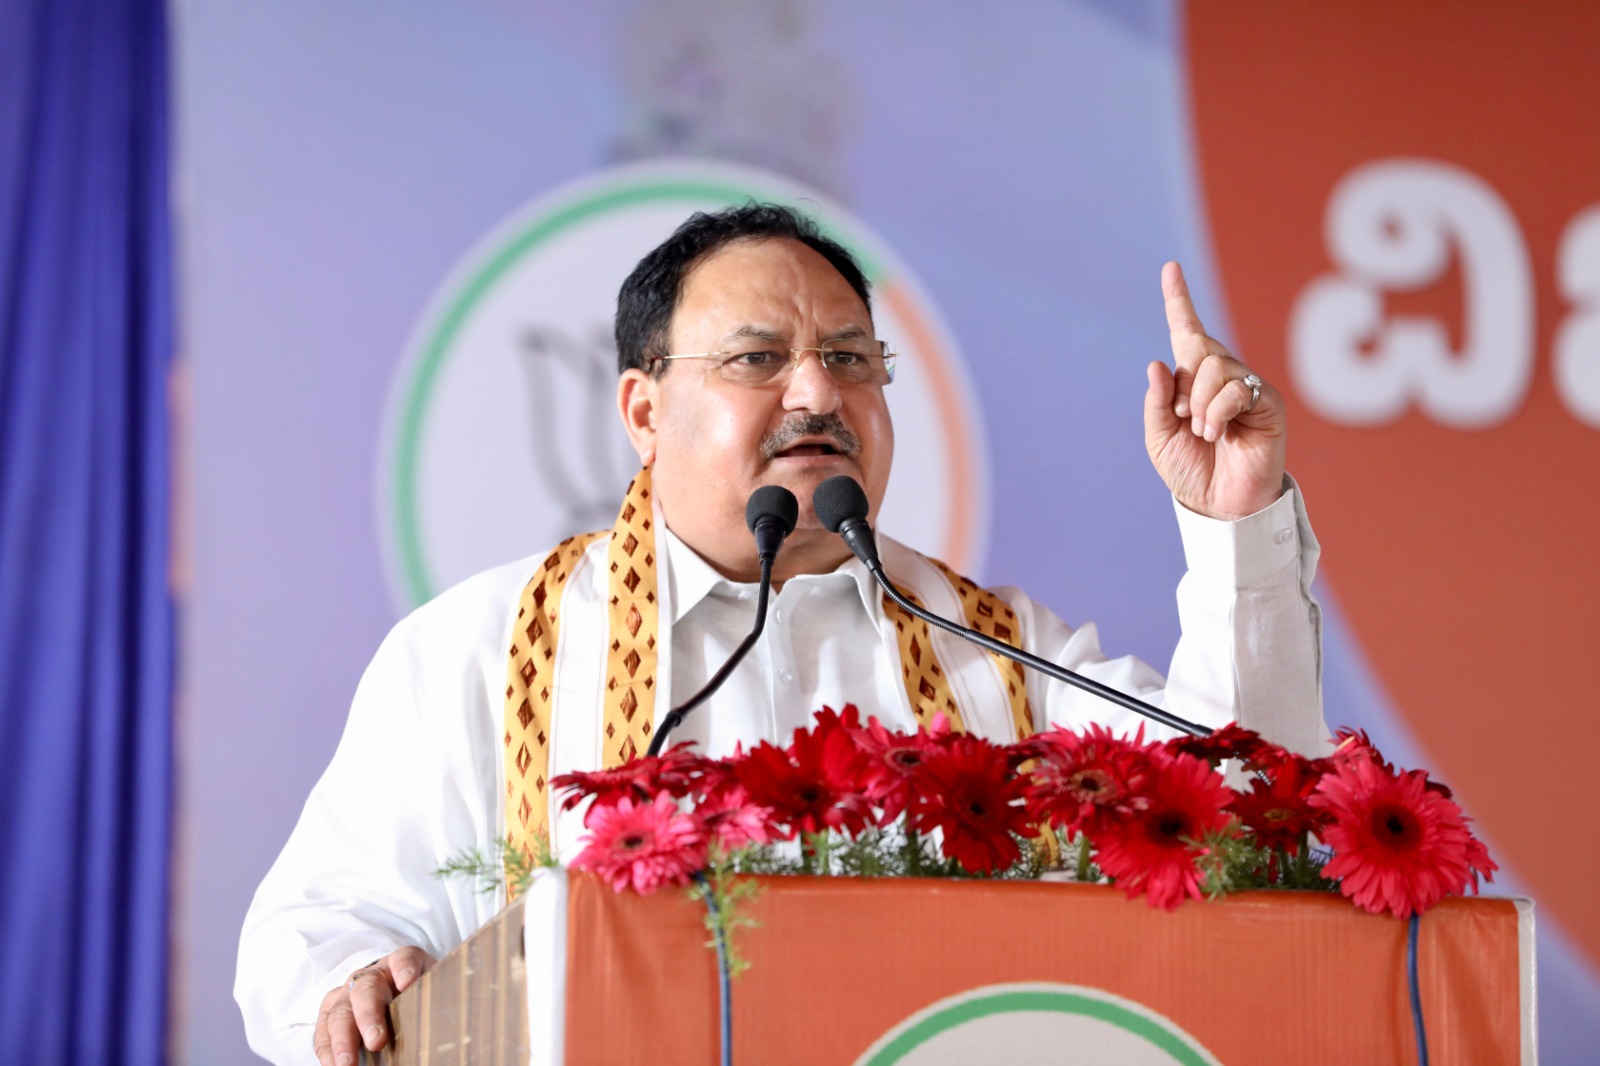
(650, 295)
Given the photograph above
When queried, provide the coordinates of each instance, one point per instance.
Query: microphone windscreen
(837, 499)
(773, 501)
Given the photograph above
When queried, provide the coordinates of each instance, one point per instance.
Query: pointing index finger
(1181, 317)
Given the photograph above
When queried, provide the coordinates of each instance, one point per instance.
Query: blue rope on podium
(1417, 1025)
(724, 979)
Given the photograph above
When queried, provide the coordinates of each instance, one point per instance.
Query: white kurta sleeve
(414, 781)
(1251, 644)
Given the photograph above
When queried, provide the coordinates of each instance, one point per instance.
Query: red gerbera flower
(1479, 862)
(673, 772)
(1354, 745)
(1154, 851)
(847, 720)
(1398, 846)
(714, 777)
(1277, 811)
(642, 845)
(809, 786)
(969, 792)
(1080, 779)
(1230, 741)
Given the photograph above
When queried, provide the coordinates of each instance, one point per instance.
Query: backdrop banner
(404, 228)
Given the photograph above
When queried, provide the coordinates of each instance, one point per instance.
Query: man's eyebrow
(753, 333)
(758, 333)
(848, 333)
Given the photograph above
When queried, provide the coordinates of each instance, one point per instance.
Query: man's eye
(846, 358)
(754, 359)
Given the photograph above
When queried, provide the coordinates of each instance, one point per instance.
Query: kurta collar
(692, 579)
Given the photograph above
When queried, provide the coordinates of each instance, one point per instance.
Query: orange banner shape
(1404, 201)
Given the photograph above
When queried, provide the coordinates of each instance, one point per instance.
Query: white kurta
(418, 774)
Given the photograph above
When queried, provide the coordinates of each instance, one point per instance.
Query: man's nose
(811, 387)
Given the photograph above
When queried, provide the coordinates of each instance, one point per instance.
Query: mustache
(799, 427)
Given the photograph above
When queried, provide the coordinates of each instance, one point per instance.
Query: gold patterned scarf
(632, 634)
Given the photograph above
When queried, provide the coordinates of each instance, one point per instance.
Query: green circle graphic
(424, 374)
(1034, 1000)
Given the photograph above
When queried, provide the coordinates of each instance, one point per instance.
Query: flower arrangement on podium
(1159, 820)
(1169, 821)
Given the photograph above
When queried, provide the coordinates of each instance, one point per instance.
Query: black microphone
(771, 515)
(842, 506)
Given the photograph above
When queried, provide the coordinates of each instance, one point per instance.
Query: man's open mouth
(811, 437)
(803, 450)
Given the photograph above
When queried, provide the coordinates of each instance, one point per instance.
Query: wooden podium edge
(465, 993)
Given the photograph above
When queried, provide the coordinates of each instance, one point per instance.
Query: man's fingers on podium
(371, 990)
(357, 1012)
(336, 1037)
(407, 965)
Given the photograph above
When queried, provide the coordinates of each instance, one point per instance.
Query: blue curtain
(86, 612)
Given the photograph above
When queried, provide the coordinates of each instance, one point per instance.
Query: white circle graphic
(502, 438)
(1037, 1022)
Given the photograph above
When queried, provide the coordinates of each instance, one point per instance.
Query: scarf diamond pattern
(990, 615)
(530, 681)
(633, 609)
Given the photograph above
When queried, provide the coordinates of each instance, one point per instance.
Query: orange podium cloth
(922, 971)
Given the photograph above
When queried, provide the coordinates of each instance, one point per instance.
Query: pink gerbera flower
(641, 845)
(732, 821)
(892, 759)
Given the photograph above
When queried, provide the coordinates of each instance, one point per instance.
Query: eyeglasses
(852, 362)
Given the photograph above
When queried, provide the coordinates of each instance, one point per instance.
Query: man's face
(713, 442)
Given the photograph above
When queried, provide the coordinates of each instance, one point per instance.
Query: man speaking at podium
(748, 358)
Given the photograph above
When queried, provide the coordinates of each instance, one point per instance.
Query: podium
(918, 972)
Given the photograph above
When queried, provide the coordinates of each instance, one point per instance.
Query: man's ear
(638, 395)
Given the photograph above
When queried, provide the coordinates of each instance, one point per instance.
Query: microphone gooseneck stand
(674, 717)
(771, 515)
(842, 507)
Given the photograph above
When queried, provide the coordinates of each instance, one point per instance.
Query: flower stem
(1083, 857)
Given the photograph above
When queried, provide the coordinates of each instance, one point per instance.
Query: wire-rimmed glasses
(859, 361)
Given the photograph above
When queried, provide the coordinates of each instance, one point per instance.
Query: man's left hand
(1221, 455)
